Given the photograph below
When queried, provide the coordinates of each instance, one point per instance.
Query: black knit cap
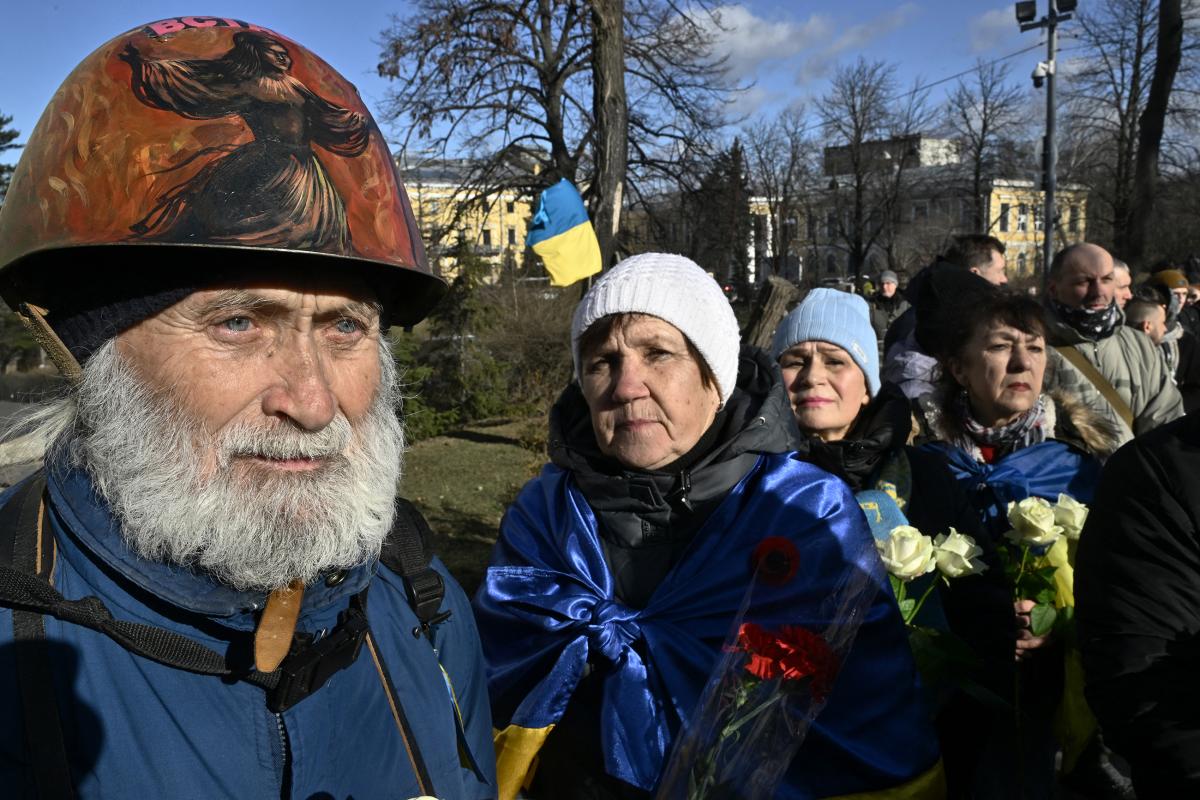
(84, 329)
(87, 311)
(936, 291)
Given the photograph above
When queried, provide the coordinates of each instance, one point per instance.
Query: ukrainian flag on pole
(562, 235)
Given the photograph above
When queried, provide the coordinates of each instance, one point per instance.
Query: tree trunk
(612, 121)
(1150, 131)
(772, 305)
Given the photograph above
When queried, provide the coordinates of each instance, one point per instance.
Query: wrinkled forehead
(316, 290)
(277, 300)
(632, 328)
(811, 346)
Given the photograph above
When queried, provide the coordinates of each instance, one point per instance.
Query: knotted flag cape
(547, 608)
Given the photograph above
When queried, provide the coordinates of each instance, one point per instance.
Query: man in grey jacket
(1085, 326)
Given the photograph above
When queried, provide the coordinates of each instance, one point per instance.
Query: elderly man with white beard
(210, 589)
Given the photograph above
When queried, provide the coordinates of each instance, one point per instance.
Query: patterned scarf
(1027, 429)
(1092, 323)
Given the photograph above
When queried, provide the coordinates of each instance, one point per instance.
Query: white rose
(907, 553)
(1033, 523)
(957, 555)
(1070, 514)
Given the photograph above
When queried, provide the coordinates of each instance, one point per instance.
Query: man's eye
(347, 326)
(236, 324)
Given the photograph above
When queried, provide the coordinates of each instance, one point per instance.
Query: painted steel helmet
(200, 146)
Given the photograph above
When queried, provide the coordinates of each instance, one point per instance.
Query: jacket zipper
(285, 749)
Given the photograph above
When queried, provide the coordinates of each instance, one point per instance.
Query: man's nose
(301, 391)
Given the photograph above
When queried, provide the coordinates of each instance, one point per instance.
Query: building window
(1021, 264)
(1073, 219)
(920, 211)
(434, 206)
(831, 224)
(830, 264)
(512, 235)
(1005, 210)
(487, 237)
(1022, 218)
(1037, 218)
(510, 207)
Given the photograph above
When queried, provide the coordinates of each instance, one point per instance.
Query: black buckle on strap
(425, 592)
(305, 671)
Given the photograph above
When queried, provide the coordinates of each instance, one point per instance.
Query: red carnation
(793, 654)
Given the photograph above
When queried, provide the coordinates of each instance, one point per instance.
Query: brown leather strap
(1097, 379)
(273, 638)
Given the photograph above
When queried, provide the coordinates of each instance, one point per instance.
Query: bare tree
(780, 159)
(1109, 95)
(1168, 53)
(531, 83)
(874, 131)
(983, 113)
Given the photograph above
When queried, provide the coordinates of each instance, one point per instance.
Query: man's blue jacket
(136, 728)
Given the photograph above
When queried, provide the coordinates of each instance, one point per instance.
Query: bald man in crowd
(1085, 326)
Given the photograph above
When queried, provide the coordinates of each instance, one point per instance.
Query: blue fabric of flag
(560, 209)
(547, 609)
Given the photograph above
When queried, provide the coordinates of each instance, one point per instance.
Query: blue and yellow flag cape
(563, 236)
(547, 610)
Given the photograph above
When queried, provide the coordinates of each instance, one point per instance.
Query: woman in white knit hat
(620, 569)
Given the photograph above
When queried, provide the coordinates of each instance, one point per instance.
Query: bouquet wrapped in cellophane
(768, 684)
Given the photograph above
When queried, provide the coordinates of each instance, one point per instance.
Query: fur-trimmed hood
(1068, 419)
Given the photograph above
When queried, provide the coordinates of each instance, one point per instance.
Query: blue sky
(786, 47)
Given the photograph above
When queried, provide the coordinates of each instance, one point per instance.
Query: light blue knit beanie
(840, 318)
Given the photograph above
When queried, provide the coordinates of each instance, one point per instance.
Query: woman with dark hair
(1004, 439)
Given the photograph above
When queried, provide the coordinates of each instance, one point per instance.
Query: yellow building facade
(1015, 211)
(495, 227)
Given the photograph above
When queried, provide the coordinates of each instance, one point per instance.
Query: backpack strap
(306, 668)
(406, 552)
(26, 566)
(24, 547)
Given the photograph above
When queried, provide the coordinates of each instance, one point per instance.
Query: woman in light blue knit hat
(826, 348)
(858, 429)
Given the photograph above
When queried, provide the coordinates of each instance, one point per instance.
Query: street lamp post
(1059, 11)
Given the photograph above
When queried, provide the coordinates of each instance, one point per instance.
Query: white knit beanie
(674, 289)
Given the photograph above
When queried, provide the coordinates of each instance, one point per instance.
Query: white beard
(249, 526)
